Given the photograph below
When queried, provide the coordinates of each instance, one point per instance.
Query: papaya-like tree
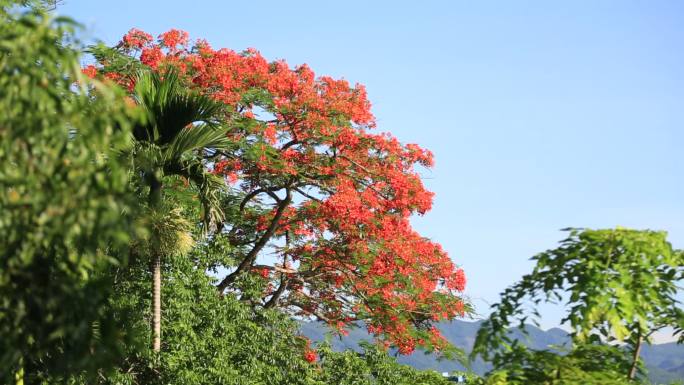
(618, 284)
(586, 364)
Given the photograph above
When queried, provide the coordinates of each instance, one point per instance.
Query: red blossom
(136, 39)
(90, 71)
(173, 38)
(310, 356)
(151, 56)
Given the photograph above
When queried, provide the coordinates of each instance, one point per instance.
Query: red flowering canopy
(329, 198)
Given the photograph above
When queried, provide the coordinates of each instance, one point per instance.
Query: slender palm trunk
(635, 358)
(155, 266)
(156, 302)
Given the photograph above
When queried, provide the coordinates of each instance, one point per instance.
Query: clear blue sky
(541, 115)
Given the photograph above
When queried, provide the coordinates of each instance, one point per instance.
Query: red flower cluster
(310, 356)
(337, 196)
(90, 71)
(173, 38)
(135, 39)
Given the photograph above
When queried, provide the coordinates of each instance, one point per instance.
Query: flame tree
(312, 189)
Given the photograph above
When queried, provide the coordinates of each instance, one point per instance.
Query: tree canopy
(618, 284)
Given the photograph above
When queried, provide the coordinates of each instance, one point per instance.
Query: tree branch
(307, 195)
(251, 256)
(256, 192)
(284, 282)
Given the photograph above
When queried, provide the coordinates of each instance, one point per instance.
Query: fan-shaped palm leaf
(202, 136)
(171, 107)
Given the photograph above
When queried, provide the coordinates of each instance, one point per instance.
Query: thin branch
(307, 195)
(289, 144)
(256, 192)
(310, 312)
(284, 282)
(276, 268)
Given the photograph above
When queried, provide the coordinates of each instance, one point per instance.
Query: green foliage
(588, 364)
(619, 284)
(373, 366)
(213, 339)
(584, 365)
(208, 339)
(62, 195)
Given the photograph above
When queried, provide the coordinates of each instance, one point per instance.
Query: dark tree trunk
(635, 358)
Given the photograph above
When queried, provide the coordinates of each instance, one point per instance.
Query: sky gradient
(541, 115)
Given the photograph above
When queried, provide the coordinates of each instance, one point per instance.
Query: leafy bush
(62, 195)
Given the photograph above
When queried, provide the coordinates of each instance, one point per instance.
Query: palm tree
(179, 127)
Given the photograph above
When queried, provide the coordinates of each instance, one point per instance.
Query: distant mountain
(665, 362)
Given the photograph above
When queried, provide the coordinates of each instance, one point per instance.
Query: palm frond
(171, 107)
(180, 124)
(170, 233)
(210, 187)
(197, 138)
